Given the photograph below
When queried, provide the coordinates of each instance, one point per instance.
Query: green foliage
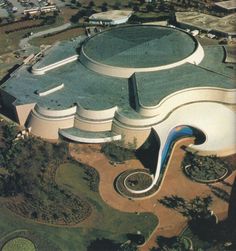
(31, 164)
(196, 208)
(173, 243)
(117, 151)
(110, 245)
(151, 6)
(128, 247)
(204, 167)
(9, 132)
(103, 244)
(19, 244)
(30, 158)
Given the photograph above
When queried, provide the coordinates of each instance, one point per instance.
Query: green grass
(197, 243)
(71, 176)
(104, 222)
(19, 244)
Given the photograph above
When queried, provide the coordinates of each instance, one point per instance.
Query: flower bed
(122, 184)
(207, 169)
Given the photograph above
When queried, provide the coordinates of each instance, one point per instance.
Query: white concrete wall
(55, 113)
(48, 127)
(96, 114)
(89, 140)
(43, 70)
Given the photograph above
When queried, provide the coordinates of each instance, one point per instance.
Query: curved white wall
(206, 117)
(43, 70)
(89, 140)
(96, 115)
(91, 125)
(156, 114)
(48, 127)
(55, 113)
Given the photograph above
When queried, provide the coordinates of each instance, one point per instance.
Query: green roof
(59, 52)
(97, 92)
(91, 90)
(154, 86)
(140, 46)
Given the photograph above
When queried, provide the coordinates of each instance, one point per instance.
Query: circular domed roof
(138, 47)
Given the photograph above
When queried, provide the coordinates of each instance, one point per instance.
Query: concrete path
(24, 43)
(170, 222)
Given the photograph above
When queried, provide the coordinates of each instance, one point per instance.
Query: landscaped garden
(118, 151)
(134, 179)
(19, 244)
(138, 181)
(41, 182)
(205, 169)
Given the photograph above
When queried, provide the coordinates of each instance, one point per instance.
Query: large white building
(131, 81)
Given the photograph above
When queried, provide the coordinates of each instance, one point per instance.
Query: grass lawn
(10, 42)
(197, 243)
(104, 222)
(72, 177)
(19, 244)
(65, 35)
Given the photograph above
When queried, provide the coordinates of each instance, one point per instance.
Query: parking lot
(17, 7)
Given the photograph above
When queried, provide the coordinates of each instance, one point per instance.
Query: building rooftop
(111, 15)
(62, 50)
(228, 5)
(206, 22)
(139, 46)
(155, 86)
(95, 91)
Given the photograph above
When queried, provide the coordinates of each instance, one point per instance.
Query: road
(24, 43)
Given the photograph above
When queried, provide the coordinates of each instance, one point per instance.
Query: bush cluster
(204, 167)
(30, 166)
(117, 151)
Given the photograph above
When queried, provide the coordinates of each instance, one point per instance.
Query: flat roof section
(228, 5)
(91, 90)
(230, 54)
(60, 51)
(111, 15)
(206, 22)
(139, 46)
(154, 86)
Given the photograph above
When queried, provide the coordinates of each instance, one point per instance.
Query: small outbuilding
(112, 17)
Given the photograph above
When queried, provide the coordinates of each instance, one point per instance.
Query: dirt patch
(175, 183)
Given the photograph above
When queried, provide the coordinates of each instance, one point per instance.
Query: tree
(91, 4)
(117, 5)
(78, 4)
(104, 245)
(197, 208)
(150, 7)
(172, 243)
(136, 8)
(104, 7)
(128, 247)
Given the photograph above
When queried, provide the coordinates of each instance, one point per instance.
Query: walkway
(24, 43)
(175, 183)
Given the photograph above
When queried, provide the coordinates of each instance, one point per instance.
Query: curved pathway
(24, 43)
(170, 222)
